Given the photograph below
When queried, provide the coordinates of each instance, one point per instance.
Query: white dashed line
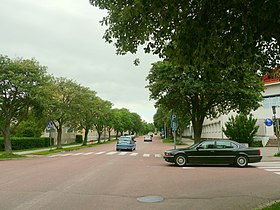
(64, 155)
(99, 153)
(123, 153)
(111, 153)
(76, 154)
(133, 154)
(158, 155)
(88, 153)
(146, 155)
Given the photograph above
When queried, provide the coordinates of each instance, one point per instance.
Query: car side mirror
(198, 148)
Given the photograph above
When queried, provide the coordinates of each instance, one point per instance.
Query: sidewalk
(45, 149)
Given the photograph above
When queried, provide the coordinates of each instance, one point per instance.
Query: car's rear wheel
(180, 160)
(241, 161)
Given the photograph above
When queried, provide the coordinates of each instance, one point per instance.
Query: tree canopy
(20, 85)
(187, 31)
(201, 93)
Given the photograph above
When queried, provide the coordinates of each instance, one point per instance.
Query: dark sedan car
(214, 152)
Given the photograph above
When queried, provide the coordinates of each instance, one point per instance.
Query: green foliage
(32, 127)
(21, 84)
(228, 31)
(20, 143)
(198, 93)
(79, 138)
(241, 128)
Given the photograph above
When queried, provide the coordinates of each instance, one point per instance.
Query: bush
(242, 128)
(256, 144)
(79, 138)
(20, 143)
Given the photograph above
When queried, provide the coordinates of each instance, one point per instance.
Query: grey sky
(66, 36)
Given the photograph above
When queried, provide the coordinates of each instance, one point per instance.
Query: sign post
(277, 126)
(174, 126)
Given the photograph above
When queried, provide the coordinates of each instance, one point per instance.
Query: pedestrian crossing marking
(99, 153)
(111, 153)
(64, 155)
(88, 153)
(123, 153)
(274, 169)
(269, 166)
(77, 154)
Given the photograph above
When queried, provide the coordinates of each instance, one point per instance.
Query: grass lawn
(275, 206)
(3, 156)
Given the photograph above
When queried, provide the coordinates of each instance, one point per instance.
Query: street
(102, 178)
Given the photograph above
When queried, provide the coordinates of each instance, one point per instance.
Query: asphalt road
(101, 178)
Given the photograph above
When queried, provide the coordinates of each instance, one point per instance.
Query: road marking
(88, 153)
(274, 169)
(123, 153)
(134, 154)
(187, 168)
(99, 153)
(111, 153)
(146, 155)
(51, 156)
(76, 154)
(158, 155)
(269, 166)
(64, 155)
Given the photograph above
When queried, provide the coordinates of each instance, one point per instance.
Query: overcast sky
(66, 36)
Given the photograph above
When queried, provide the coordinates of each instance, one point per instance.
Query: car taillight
(168, 154)
(130, 141)
(259, 152)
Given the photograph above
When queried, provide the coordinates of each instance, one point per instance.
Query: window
(207, 145)
(225, 145)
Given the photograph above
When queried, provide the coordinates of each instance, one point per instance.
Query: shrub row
(20, 143)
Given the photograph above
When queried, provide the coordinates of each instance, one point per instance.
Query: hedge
(20, 143)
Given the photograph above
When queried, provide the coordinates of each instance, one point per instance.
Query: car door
(225, 151)
(204, 153)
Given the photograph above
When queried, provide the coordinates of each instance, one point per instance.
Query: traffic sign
(174, 125)
(173, 117)
(268, 122)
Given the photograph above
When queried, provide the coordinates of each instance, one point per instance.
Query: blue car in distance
(126, 143)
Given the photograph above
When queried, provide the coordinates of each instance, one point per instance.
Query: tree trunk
(117, 135)
(197, 129)
(7, 140)
(109, 134)
(86, 136)
(99, 136)
(59, 136)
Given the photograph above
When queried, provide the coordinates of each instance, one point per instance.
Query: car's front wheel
(180, 160)
(241, 161)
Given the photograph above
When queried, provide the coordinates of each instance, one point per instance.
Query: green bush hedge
(20, 143)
